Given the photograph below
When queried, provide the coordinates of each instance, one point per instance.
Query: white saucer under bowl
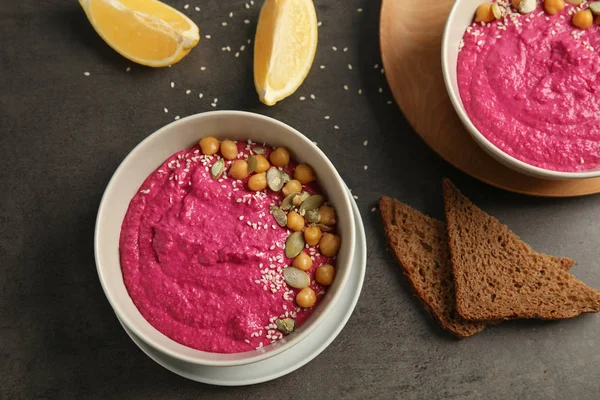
(291, 359)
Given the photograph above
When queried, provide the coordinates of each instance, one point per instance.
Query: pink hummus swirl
(531, 85)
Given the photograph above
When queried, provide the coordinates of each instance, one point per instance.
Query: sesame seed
(127, 69)
(247, 341)
(350, 67)
(231, 14)
(224, 23)
(327, 117)
(237, 54)
(200, 96)
(246, 21)
(241, 217)
(213, 104)
(249, 41)
(312, 96)
(207, 36)
(86, 73)
(345, 49)
(336, 127)
(177, 117)
(166, 110)
(319, 23)
(215, 100)
(376, 66)
(359, 91)
(197, 8)
(345, 87)
(359, 10)
(302, 98)
(366, 167)
(373, 209)
(365, 143)
(202, 68)
(322, 67)
(380, 90)
(186, 6)
(242, 48)
(247, 6)
(355, 197)
(382, 71)
(188, 91)
(334, 48)
(172, 85)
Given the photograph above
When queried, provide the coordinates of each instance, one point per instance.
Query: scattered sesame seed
(231, 14)
(382, 71)
(336, 127)
(334, 48)
(247, 6)
(86, 73)
(249, 41)
(389, 102)
(365, 143)
(188, 91)
(172, 85)
(355, 197)
(327, 117)
(373, 209)
(366, 167)
(359, 10)
(322, 67)
(581, 160)
(224, 23)
(380, 90)
(203, 68)
(345, 49)
(359, 91)
(319, 23)
(345, 87)
(376, 66)
(242, 48)
(237, 54)
(312, 96)
(166, 110)
(177, 117)
(302, 98)
(207, 36)
(350, 67)
(127, 69)
(216, 100)
(252, 2)
(200, 96)
(246, 21)
(213, 104)
(186, 6)
(197, 8)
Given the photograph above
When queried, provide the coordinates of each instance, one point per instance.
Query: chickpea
(327, 215)
(239, 169)
(304, 174)
(312, 235)
(257, 182)
(295, 221)
(553, 7)
(484, 13)
(583, 19)
(302, 261)
(516, 4)
(280, 157)
(262, 164)
(293, 186)
(329, 244)
(209, 145)
(325, 274)
(229, 149)
(306, 298)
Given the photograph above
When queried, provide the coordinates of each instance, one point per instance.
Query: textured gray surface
(63, 134)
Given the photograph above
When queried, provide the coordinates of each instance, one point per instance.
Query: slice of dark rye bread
(498, 276)
(420, 244)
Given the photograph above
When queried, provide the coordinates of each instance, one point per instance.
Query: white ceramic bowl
(182, 134)
(461, 16)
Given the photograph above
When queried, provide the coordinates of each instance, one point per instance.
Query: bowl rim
(480, 139)
(197, 359)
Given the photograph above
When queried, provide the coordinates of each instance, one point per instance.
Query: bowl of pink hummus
(203, 251)
(523, 78)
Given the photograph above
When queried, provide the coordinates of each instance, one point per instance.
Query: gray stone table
(63, 134)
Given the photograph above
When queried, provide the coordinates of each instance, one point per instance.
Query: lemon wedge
(284, 47)
(147, 32)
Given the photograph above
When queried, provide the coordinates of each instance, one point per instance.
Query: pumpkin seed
(252, 164)
(311, 203)
(286, 325)
(294, 244)
(274, 179)
(285, 177)
(324, 228)
(300, 198)
(217, 169)
(296, 278)
(287, 203)
(595, 7)
(259, 150)
(279, 215)
(313, 216)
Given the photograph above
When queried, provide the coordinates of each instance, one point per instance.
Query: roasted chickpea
(229, 149)
(327, 215)
(312, 235)
(209, 145)
(280, 157)
(302, 261)
(239, 169)
(293, 186)
(516, 4)
(329, 244)
(262, 164)
(304, 174)
(257, 182)
(583, 19)
(484, 13)
(325, 274)
(553, 7)
(295, 221)
(306, 298)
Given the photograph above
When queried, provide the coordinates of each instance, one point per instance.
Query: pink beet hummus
(202, 259)
(530, 84)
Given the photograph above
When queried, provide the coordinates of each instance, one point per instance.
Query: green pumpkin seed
(296, 278)
(595, 7)
(294, 244)
(274, 179)
(287, 203)
(279, 215)
(300, 198)
(286, 325)
(311, 203)
(285, 177)
(259, 150)
(313, 216)
(217, 169)
(252, 164)
(324, 228)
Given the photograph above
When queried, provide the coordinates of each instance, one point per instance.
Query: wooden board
(410, 40)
